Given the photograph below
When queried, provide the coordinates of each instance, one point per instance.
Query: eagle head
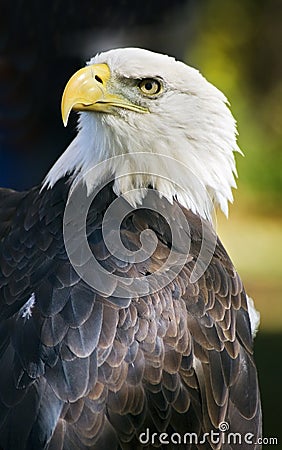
(157, 123)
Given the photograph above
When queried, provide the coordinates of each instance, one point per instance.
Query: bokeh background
(237, 45)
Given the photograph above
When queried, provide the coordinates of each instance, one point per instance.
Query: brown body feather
(88, 371)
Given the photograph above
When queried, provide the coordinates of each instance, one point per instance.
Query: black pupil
(148, 86)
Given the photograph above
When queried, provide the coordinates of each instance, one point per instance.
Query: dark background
(236, 45)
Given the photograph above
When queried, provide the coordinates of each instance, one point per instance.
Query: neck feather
(199, 177)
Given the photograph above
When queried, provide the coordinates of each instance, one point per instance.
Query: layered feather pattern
(91, 371)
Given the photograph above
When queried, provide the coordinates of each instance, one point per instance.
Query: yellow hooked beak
(87, 90)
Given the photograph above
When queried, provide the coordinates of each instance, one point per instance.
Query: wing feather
(90, 371)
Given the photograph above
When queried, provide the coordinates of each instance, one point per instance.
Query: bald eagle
(123, 322)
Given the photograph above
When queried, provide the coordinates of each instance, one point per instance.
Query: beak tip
(66, 107)
(65, 116)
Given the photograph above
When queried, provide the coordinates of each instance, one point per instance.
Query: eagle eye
(150, 86)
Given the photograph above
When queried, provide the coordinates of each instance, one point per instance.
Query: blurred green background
(237, 45)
